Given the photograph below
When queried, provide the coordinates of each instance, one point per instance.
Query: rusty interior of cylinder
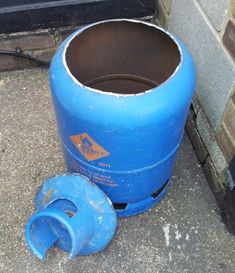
(122, 57)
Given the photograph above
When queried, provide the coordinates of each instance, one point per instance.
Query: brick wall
(208, 29)
(40, 44)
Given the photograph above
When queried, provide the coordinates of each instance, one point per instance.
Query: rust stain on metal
(69, 213)
(94, 205)
(47, 196)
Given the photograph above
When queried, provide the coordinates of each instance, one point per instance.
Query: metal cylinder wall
(121, 91)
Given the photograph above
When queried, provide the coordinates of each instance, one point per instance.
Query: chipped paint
(94, 205)
(47, 196)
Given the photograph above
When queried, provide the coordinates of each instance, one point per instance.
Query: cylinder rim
(77, 33)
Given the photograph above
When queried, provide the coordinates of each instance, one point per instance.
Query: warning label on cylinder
(88, 147)
(96, 177)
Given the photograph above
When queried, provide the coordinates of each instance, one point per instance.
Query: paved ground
(182, 234)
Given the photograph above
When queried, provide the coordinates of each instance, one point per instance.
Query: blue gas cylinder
(121, 91)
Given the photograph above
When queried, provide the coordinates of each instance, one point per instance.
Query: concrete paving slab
(182, 234)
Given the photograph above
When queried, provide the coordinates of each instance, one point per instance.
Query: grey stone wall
(215, 67)
(208, 29)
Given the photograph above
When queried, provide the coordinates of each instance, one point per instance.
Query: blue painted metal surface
(126, 144)
(72, 213)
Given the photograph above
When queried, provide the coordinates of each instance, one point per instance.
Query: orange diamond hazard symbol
(88, 147)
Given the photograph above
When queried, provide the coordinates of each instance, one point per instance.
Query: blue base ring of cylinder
(132, 209)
